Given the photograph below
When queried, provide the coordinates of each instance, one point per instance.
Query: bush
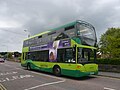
(113, 61)
(19, 58)
(10, 55)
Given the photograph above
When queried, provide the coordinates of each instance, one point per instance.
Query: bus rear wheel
(57, 71)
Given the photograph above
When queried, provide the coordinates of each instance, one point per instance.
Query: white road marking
(12, 78)
(46, 84)
(36, 72)
(2, 87)
(105, 88)
(11, 66)
(7, 73)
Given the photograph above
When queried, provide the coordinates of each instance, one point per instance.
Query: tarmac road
(15, 77)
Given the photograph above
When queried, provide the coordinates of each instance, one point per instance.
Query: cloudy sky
(39, 15)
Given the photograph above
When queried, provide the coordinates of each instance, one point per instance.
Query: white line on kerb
(46, 84)
(107, 77)
(105, 88)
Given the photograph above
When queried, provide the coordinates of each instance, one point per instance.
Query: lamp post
(29, 34)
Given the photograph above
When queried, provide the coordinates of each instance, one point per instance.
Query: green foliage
(110, 43)
(3, 53)
(113, 61)
(10, 55)
(19, 58)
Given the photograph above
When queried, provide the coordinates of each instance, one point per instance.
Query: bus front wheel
(57, 71)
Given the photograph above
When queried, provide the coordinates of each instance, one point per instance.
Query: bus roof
(72, 23)
(66, 25)
(63, 26)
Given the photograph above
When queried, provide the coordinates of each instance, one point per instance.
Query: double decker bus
(67, 50)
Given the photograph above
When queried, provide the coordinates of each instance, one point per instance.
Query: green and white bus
(67, 50)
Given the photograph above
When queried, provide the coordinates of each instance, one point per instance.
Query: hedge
(113, 61)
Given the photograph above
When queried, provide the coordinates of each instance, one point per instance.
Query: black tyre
(57, 71)
(28, 66)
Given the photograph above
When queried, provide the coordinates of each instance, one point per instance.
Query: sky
(19, 18)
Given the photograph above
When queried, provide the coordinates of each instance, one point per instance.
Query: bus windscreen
(87, 34)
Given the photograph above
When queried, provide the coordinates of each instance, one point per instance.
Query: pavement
(109, 74)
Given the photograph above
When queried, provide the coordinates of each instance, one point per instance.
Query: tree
(110, 43)
(10, 55)
(17, 54)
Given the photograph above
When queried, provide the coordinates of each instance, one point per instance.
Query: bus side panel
(78, 70)
(66, 68)
(71, 70)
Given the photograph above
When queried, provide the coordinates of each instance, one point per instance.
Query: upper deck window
(40, 36)
(51, 33)
(69, 27)
(70, 31)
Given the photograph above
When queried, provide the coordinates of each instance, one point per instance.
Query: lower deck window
(38, 56)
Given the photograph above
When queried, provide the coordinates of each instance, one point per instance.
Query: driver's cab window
(28, 55)
(85, 55)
